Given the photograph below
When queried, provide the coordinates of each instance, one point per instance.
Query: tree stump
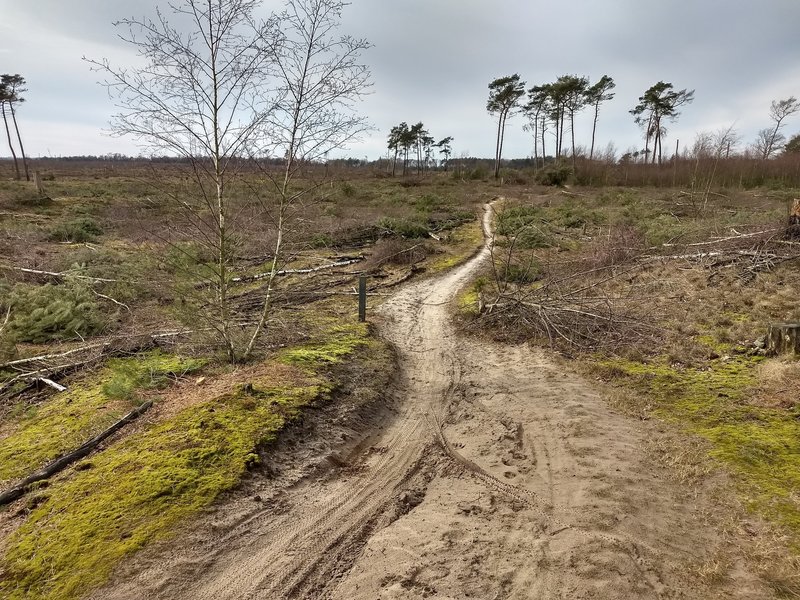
(37, 180)
(783, 338)
(793, 229)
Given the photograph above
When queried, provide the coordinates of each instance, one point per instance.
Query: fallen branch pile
(748, 254)
(574, 311)
(343, 262)
(48, 368)
(61, 276)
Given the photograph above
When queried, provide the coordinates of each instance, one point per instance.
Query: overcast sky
(433, 59)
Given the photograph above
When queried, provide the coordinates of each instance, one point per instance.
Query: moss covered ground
(760, 445)
(463, 242)
(39, 434)
(140, 488)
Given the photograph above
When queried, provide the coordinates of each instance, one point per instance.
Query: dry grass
(779, 384)
(638, 272)
(686, 461)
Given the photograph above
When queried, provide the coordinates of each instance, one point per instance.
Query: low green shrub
(8, 348)
(514, 218)
(477, 174)
(575, 216)
(518, 272)
(663, 228)
(83, 229)
(322, 240)
(527, 224)
(45, 313)
(534, 237)
(404, 227)
(428, 203)
(514, 177)
(149, 371)
(554, 175)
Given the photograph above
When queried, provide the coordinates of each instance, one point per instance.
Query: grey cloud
(432, 60)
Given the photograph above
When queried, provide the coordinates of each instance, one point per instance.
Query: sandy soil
(490, 473)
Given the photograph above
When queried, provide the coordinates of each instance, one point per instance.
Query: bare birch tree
(199, 96)
(320, 76)
(228, 88)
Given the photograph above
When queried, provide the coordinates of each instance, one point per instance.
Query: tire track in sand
(417, 326)
(271, 555)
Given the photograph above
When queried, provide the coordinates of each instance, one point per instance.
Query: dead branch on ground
(574, 311)
(64, 461)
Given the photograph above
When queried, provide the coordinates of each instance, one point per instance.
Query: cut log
(783, 338)
(56, 386)
(63, 462)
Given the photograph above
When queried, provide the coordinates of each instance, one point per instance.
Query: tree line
(404, 139)
(552, 108)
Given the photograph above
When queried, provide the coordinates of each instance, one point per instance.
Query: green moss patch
(136, 491)
(468, 302)
(461, 244)
(41, 434)
(339, 341)
(761, 446)
(141, 488)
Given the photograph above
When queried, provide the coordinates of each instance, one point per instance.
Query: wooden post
(362, 299)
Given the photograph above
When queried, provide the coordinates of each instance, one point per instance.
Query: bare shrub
(620, 245)
(396, 251)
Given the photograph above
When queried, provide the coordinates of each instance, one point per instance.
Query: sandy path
(498, 476)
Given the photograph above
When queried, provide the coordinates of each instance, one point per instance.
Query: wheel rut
(269, 555)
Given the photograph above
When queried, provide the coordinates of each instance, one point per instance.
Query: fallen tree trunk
(43, 357)
(783, 338)
(722, 239)
(60, 276)
(284, 272)
(63, 462)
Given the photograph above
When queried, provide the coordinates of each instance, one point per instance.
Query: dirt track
(496, 475)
